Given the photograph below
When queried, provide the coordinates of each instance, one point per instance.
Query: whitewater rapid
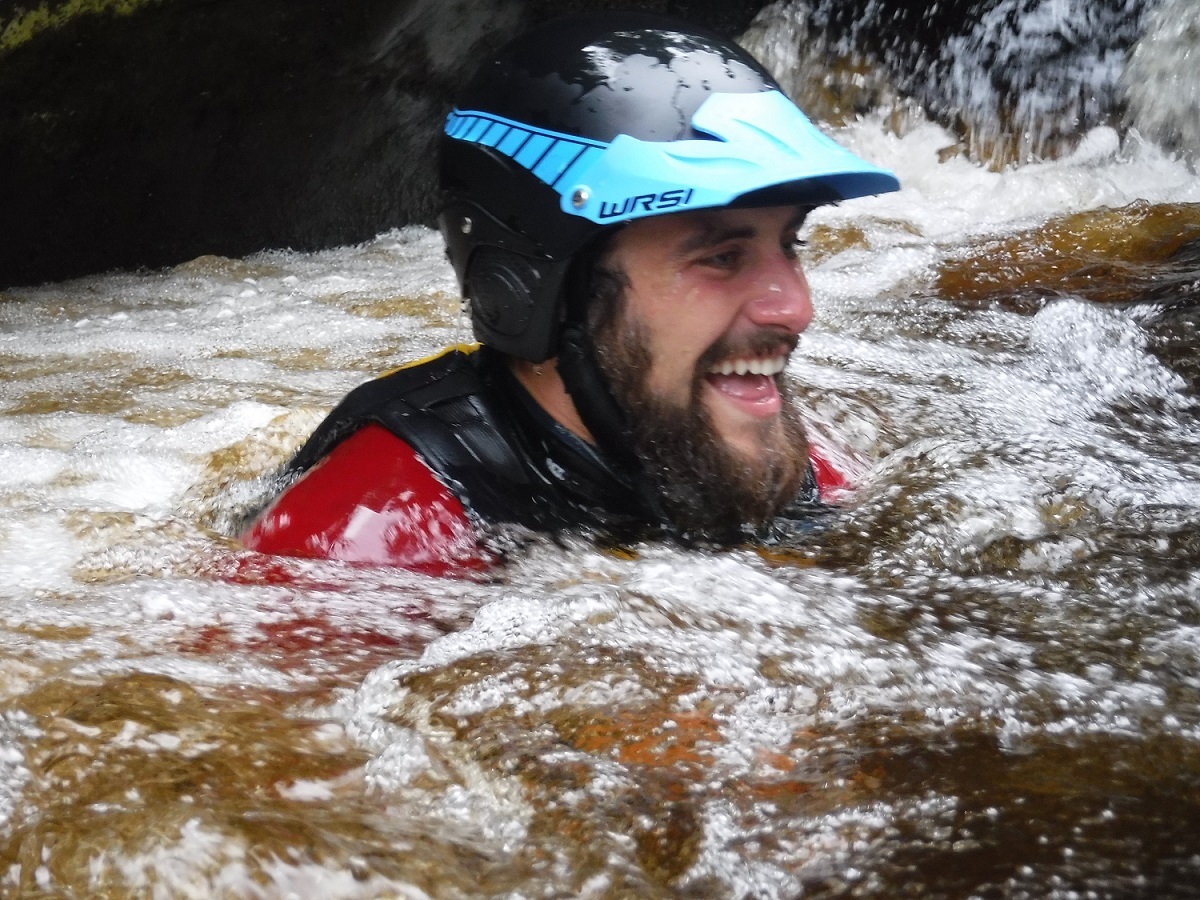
(990, 592)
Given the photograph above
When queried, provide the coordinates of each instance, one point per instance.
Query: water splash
(1014, 80)
(1160, 83)
(980, 678)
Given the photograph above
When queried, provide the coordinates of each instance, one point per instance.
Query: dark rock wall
(176, 128)
(228, 126)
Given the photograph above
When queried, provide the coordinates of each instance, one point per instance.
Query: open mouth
(749, 382)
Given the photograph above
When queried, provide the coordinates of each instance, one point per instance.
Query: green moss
(27, 24)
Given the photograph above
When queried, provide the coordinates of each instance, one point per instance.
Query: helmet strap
(579, 365)
(593, 399)
(599, 411)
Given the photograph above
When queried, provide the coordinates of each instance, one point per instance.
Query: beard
(706, 489)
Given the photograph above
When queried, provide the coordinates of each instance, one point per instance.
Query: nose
(781, 297)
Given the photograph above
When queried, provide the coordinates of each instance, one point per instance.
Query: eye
(793, 244)
(726, 259)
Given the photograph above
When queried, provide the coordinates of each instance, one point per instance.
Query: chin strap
(588, 387)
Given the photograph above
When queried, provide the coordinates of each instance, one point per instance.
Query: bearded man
(621, 196)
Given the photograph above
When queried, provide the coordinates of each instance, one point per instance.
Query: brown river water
(979, 678)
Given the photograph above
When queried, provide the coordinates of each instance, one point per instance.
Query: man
(621, 197)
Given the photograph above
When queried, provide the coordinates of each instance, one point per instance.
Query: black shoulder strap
(441, 408)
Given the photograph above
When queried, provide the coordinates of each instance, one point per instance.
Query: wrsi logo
(647, 203)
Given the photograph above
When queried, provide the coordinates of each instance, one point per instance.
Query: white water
(139, 408)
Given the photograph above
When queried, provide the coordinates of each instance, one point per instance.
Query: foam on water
(1011, 478)
(15, 729)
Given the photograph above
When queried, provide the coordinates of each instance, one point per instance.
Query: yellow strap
(460, 348)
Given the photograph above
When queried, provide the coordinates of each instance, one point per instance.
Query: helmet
(593, 120)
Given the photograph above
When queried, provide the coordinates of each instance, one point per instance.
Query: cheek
(678, 348)
(682, 325)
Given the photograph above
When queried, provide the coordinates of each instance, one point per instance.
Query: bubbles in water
(991, 643)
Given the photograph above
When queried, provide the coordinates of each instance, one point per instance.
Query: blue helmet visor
(758, 142)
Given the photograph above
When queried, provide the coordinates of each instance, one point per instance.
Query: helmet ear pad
(510, 267)
(514, 301)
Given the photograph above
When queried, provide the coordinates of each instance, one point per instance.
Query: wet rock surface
(144, 134)
(173, 129)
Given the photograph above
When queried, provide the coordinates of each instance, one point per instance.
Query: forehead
(696, 229)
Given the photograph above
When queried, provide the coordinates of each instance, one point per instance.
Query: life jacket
(408, 466)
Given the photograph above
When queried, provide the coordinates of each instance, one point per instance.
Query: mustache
(766, 341)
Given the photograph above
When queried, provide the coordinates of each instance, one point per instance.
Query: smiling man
(621, 200)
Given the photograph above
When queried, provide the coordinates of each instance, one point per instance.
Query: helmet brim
(757, 149)
(761, 150)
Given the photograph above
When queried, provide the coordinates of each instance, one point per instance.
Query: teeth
(772, 366)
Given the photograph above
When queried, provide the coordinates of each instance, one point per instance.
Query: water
(981, 680)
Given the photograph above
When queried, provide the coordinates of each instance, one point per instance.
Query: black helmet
(597, 119)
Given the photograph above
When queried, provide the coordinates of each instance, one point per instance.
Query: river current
(980, 678)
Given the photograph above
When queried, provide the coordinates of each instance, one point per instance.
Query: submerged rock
(1138, 253)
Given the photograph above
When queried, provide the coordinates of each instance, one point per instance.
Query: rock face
(153, 131)
(143, 133)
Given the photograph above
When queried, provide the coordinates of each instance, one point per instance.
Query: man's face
(713, 304)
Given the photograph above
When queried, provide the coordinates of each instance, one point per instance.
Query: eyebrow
(710, 235)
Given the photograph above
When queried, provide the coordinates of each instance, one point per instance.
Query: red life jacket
(372, 499)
